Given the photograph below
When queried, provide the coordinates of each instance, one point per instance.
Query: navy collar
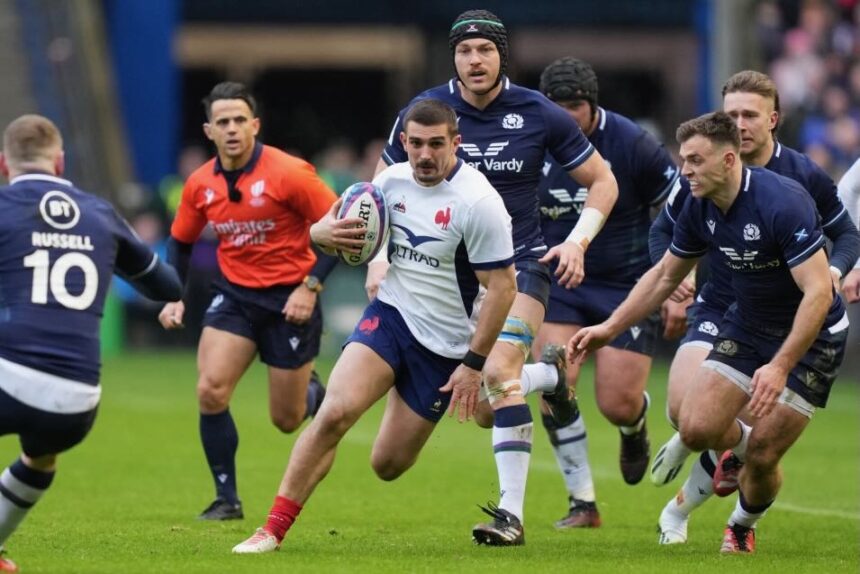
(455, 170)
(248, 167)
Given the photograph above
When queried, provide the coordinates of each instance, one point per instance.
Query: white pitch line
(817, 511)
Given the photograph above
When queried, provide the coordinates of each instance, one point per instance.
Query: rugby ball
(365, 201)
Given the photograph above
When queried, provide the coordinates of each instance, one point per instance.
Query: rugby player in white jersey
(418, 339)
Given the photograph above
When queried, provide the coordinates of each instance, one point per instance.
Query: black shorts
(41, 432)
(256, 315)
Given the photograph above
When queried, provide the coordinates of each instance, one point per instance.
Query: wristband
(474, 361)
(587, 227)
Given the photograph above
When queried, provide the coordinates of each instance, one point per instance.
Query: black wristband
(474, 361)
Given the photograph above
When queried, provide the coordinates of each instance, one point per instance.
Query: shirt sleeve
(794, 225)
(849, 192)
(565, 141)
(655, 172)
(133, 257)
(309, 195)
(487, 234)
(687, 238)
(189, 221)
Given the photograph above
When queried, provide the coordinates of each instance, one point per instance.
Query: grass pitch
(126, 499)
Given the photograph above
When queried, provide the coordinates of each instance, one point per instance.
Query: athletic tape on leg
(519, 334)
(499, 391)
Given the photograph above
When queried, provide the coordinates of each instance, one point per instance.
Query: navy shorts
(592, 303)
(745, 349)
(41, 432)
(533, 278)
(703, 324)
(256, 315)
(418, 372)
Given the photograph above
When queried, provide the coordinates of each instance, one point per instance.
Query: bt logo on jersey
(59, 210)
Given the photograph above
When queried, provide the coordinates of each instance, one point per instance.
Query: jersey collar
(456, 169)
(40, 177)
(248, 167)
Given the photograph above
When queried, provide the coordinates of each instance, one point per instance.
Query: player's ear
(60, 163)
(4, 167)
(729, 158)
(207, 129)
(255, 123)
(403, 139)
(773, 120)
(456, 141)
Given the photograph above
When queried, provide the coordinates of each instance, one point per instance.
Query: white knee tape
(499, 391)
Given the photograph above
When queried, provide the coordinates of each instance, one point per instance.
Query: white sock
(512, 447)
(541, 377)
(740, 449)
(19, 491)
(697, 489)
(746, 515)
(640, 422)
(570, 445)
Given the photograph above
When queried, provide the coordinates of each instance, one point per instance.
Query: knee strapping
(519, 334)
(499, 391)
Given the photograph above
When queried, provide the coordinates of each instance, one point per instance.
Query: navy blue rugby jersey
(788, 163)
(645, 174)
(60, 248)
(771, 227)
(507, 142)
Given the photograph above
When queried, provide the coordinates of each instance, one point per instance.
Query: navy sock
(220, 442)
(315, 395)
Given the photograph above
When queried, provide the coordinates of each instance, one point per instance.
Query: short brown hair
(31, 138)
(229, 91)
(750, 81)
(431, 112)
(719, 127)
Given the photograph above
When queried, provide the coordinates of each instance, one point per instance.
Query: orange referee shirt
(264, 238)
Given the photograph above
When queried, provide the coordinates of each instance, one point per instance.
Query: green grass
(126, 499)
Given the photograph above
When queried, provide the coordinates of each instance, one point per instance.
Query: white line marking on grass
(817, 511)
(600, 472)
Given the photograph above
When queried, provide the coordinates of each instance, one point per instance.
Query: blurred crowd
(811, 48)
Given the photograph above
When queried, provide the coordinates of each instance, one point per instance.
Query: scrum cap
(568, 79)
(481, 24)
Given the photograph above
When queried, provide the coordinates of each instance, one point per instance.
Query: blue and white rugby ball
(365, 201)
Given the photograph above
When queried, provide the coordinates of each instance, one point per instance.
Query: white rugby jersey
(439, 235)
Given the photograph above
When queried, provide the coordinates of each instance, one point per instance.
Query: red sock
(281, 516)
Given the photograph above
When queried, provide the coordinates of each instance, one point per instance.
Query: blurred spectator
(369, 159)
(817, 74)
(336, 166)
(141, 322)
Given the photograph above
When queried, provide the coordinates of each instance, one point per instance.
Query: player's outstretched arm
(648, 293)
(769, 380)
(602, 194)
(465, 382)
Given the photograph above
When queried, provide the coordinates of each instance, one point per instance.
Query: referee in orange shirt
(260, 202)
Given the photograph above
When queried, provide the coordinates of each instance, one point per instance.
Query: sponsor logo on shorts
(709, 328)
(294, 342)
(216, 302)
(369, 325)
(727, 347)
